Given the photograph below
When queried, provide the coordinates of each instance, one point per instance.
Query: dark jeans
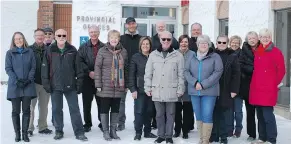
(185, 121)
(220, 115)
(57, 104)
(111, 104)
(251, 121)
(236, 116)
(143, 107)
(88, 96)
(17, 104)
(267, 124)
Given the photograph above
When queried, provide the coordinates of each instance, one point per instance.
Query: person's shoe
(87, 128)
(59, 135)
(185, 136)
(45, 131)
(223, 141)
(120, 127)
(159, 140)
(137, 137)
(213, 139)
(25, 137)
(237, 134)
(250, 139)
(176, 135)
(17, 136)
(150, 135)
(30, 133)
(82, 137)
(230, 134)
(169, 141)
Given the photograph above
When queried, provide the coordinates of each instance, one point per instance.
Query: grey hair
(94, 27)
(223, 36)
(265, 32)
(166, 33)
(251, 33)
(204, 38)
(196, 23)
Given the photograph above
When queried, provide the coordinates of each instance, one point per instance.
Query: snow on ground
(95, 136)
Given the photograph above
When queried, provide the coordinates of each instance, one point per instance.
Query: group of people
(170, 81)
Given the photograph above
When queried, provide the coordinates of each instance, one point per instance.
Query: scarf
(117, 67)
(200, 55)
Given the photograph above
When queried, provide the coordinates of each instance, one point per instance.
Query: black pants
(220, 114)
(88, 95)
(57, 104)
(184, 122)
(24, 103)
(111, 104)
(267, 124)
(154, 112)
(251, 121)
(143, 107)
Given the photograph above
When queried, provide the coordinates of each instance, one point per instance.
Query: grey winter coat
(20, 66)
(187, 55)
(102, 72)
(207, 72)
(164, 76)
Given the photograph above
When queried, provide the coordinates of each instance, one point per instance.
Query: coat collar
(69, 47)
(89, 43)
(14, 50)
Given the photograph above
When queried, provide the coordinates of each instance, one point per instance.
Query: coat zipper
(199, 75)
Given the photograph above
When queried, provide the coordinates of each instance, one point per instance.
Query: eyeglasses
(61, 36)
(48, 33)
(219, 42)
(166, 39)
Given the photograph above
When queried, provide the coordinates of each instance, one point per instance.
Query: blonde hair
(265, 32)
(235, 37)
(113, 33)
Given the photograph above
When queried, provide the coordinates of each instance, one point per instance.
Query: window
(223, 27)
(282, 39)
(185, 29)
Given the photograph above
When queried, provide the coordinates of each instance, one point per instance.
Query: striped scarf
(117, 68)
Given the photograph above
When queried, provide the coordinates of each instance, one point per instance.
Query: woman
(237, 113)
(143, 104)
(202, 73)
(184, 103)
(229, 87)
(269, 70)
(111, 82)
(20, 67)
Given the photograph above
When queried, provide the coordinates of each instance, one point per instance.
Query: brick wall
(45, 14)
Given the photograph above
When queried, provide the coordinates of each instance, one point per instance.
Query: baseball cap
(47, 29)
(130, 19)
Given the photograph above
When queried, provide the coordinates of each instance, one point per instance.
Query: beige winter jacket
(164, 76)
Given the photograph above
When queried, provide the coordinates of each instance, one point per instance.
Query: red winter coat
(269, 70)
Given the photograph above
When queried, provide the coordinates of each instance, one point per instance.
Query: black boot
(177, 134)
(25, 125)
(137, 137)
(59, 135)
(113, 125)
(159, 140)
(16, 125)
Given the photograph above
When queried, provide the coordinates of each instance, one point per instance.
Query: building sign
(184, 2)
(104, 23)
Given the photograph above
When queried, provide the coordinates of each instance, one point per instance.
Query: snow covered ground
(95, 136)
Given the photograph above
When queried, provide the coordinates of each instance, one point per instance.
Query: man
(62, 74)
(161, 27)
(42, 96)
(130, 41)
(164, 81)
(196, 30)
(88, 52)
(49, 36)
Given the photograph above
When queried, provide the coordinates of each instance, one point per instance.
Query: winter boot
(206, 132)
(25, 125)
(199, 127)
(104, 121)
(113, 125)
(16, 125)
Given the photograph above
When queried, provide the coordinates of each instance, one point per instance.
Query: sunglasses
(219, 42)
(48, 33)
(166, 39)
(61, 36)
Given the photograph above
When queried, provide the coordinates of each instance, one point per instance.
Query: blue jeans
(267, 124)
(203, 107)
(237, 115)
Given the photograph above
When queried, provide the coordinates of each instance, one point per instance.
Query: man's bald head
(60, 31)
(160, 26)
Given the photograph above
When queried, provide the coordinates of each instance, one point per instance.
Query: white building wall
(16, 16)
(111, 9)
(204, 12)
(245, 16)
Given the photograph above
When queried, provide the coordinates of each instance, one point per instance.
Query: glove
(26, 82)
(99, 89)
(20, 83)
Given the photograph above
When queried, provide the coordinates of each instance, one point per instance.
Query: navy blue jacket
(20, 66)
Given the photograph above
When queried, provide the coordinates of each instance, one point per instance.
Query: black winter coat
(156, 43)
(38, 54)
(131, 44)
(246, 60)
(62, 71)
(136, 72)
(230, 79)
